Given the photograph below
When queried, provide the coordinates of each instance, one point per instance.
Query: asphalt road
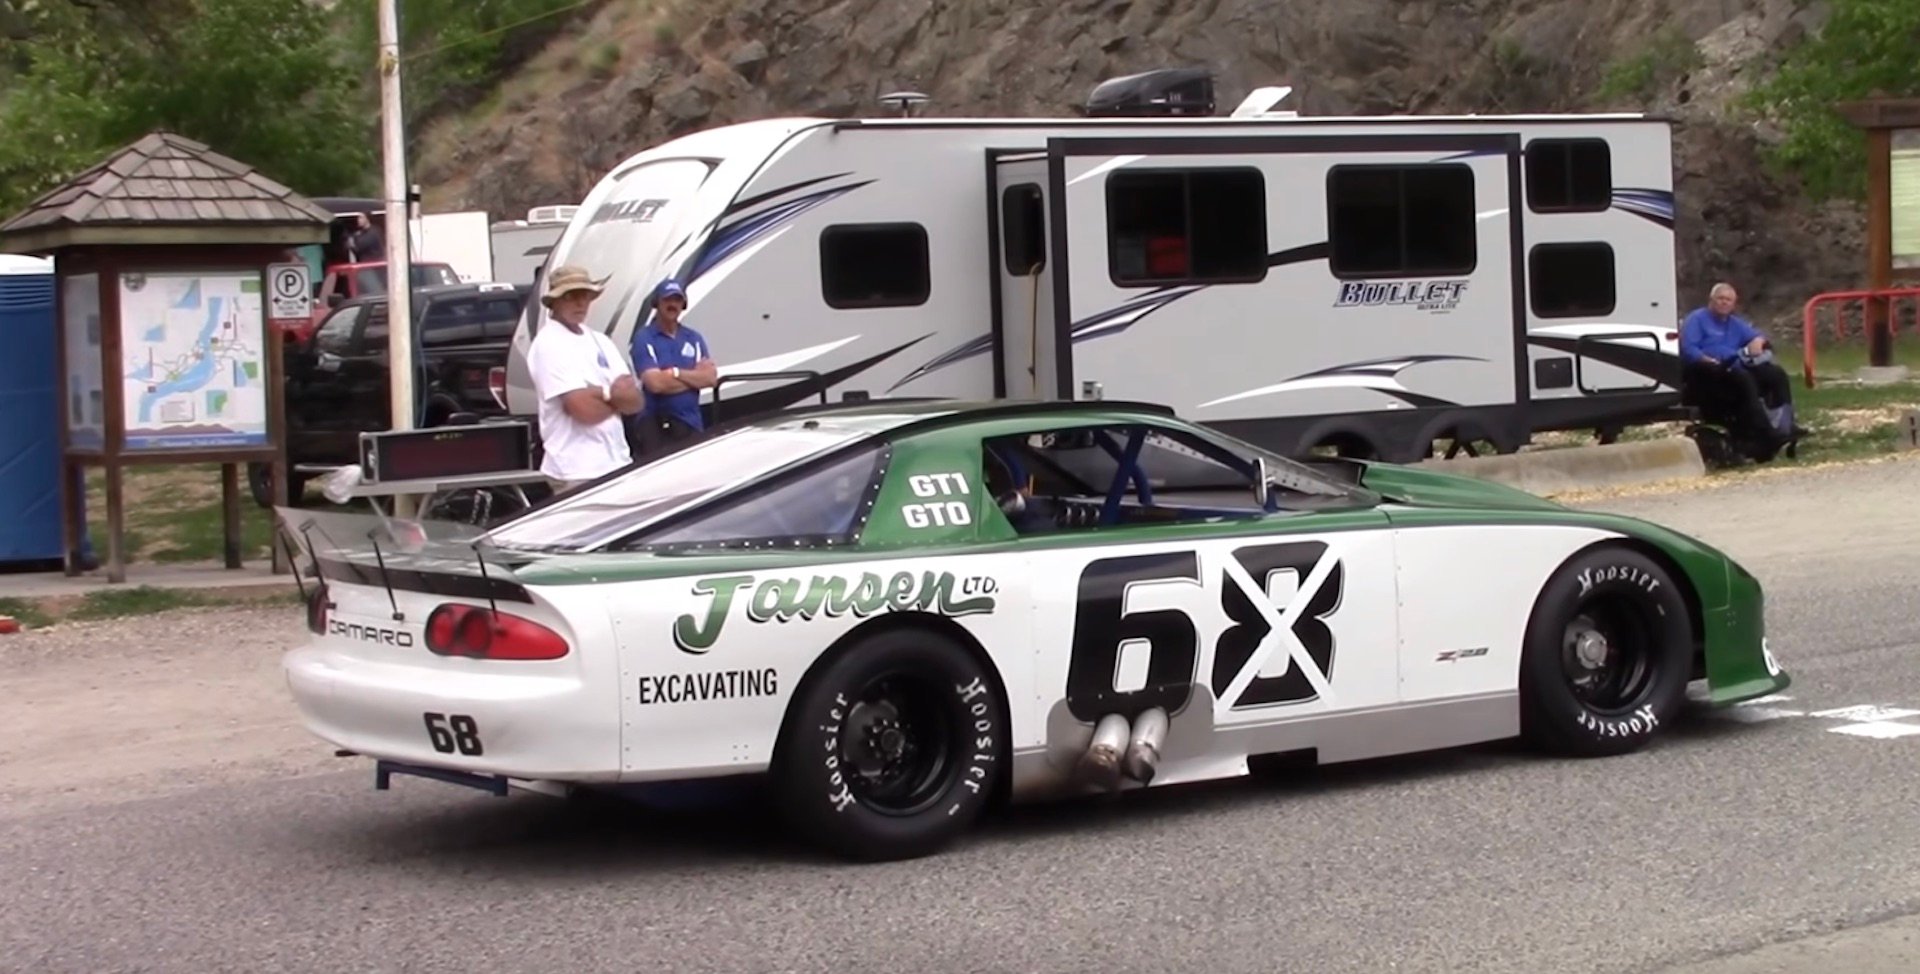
(261, 853)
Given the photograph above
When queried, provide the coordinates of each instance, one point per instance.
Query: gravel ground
(147, 706)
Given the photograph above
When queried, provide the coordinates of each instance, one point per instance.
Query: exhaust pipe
(1143, 751)
(1100, 766)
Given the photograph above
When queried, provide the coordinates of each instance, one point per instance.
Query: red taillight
(482, 633)
(497, 384)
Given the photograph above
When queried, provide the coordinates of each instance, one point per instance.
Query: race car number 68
(458, 732)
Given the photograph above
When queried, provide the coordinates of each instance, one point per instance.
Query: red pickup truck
(345, 281)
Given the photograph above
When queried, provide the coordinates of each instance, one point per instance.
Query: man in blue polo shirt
(1723, 354)
(675, 363)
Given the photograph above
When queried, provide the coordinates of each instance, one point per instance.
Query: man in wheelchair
(1730, 376)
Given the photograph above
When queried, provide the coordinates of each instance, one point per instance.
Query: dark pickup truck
(337, 381)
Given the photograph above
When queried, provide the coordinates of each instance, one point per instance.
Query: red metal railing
(1887, 298)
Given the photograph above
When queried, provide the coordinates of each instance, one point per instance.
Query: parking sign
(290, 290)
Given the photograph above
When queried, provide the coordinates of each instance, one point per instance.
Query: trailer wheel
(893, 747)
(1351, 446)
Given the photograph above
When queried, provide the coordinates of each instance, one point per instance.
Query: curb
(1584, 468)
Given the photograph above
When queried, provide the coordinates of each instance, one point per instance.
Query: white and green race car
(895, 613)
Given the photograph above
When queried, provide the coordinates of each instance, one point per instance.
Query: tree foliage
(454, 50)
(264, 81)
(1866, 47)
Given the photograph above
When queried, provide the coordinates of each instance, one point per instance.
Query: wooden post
(1880, 117)
(230, 510)
(1879, 319)
(116, 524)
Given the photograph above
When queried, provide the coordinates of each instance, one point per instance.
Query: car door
(319, 401)
(1247, 626)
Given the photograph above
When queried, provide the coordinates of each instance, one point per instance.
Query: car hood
(1425, 487)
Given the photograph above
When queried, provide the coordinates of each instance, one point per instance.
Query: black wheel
(260, 484)
(892, 750)
(1607, 657)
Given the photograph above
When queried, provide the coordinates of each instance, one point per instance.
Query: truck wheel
(892, 750)
(1607, 657)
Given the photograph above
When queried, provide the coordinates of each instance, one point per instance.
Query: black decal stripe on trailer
(1656, 365)
(776, 399)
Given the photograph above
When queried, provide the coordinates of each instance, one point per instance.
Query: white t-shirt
(562, 361)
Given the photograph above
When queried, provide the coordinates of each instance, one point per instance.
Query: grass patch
(173, 516)
(24, 612)
(139, 600)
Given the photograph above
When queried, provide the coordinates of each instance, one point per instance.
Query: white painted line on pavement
(1867, 712)
(1881, 729)
(1769, 698)
(1754, 715)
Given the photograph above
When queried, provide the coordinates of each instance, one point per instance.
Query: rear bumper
(516, 724)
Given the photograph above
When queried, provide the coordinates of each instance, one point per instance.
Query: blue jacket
(1705, 333)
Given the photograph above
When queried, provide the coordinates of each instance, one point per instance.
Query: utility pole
(399, 266)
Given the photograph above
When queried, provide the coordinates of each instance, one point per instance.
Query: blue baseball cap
(669, 288)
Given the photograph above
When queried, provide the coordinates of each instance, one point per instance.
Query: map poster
(192, 349)
(86, 393)
(1905, 202)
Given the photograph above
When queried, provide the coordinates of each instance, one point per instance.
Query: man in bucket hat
(675, 363)
(585, 386)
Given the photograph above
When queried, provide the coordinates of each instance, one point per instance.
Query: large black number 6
(1103, 625)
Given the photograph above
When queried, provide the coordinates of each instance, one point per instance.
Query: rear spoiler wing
(446, 558)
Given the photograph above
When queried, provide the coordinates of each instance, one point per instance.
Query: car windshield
(592, 517)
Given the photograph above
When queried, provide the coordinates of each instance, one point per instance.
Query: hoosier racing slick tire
(892, 749)
(1608, 655)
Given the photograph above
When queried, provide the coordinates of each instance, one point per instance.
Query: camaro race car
(895, 613)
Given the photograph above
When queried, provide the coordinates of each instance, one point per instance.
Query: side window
(373, 338)
(335, 335)
(1569, 175)
(1401, 221)
(824, 507)
(1023, 229)
(469, 320)
(1175, 226)
(1571, 280)
(875, 265)
(1060, 480)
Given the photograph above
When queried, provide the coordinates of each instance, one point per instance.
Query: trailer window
(1392, 221)
(874, 265)
(1023, 229)
(1571, 280)
(1569, 175)
(1169, 226)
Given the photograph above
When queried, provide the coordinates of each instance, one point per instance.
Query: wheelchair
(1714, 421)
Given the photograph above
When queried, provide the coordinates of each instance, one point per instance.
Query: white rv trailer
(520, 247)
(1369, 284)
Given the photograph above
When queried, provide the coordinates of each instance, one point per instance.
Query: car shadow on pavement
(589, 833)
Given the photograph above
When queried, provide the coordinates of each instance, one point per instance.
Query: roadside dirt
(91, 713)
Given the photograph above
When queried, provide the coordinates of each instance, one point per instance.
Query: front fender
(1733, 631)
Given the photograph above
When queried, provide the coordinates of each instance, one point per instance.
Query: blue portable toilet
(30, 399)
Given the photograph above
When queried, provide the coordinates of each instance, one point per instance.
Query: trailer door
(1027, 359)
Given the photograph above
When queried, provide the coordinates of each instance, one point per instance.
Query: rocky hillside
(627, 74)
